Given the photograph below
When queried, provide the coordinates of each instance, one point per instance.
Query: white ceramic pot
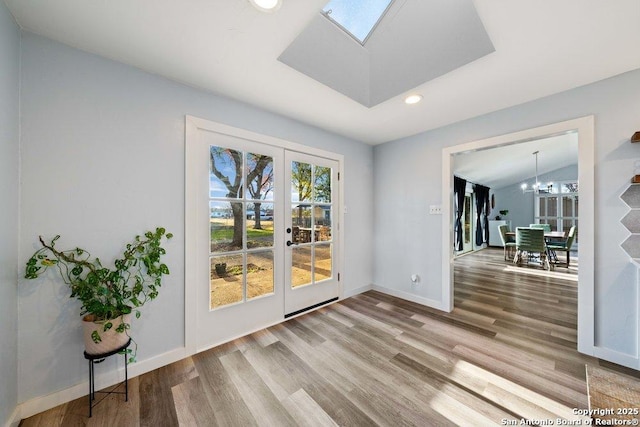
(110, 340)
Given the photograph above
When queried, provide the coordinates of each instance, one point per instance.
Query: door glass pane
(300, 182)
(553, 223)
(322, 184)
(322, 228)
(567, 206)
(223, 228)
(227, 280)
(322, 262)
(543, 206)
(552, 206)
(259, 274)
(259, 225)
(301, 221)
(301, 266)
(225, 172)
(259, 177)
(218, 225)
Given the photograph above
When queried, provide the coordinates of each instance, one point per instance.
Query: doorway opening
(584, 127)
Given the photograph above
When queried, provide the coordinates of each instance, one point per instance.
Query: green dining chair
(545, 227)
(530, 245)
(508, 243)
(564, 246)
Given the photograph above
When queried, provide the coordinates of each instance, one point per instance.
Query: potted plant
(108, 295)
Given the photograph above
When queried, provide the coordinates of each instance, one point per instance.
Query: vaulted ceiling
(230, 48)
(498, 167)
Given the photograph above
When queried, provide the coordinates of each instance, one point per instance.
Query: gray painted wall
(103, 159)
(520, 206)
(408, 180)
(9, 223)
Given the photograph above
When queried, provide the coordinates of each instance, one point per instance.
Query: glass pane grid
(241, 226)
(312, 222)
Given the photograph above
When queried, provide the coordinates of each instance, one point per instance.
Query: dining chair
(529, 242)
(508, 243)
(545, 227)
(564, 246)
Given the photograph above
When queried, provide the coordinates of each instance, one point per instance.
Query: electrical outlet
(435, 210)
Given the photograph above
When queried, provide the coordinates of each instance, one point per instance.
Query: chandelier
(537, 187)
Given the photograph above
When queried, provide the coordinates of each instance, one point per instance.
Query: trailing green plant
(107, 293)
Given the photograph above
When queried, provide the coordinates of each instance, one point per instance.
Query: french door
(310, 252)
(264, 240)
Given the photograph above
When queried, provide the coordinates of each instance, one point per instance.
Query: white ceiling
(230, 48)
(515, 163)
(435, 36)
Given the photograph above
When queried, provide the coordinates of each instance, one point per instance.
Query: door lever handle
(290, 243)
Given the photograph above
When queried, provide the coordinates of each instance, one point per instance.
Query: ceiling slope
(230, 48)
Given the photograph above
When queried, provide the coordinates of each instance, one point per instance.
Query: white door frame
(192, 126)
(586, 162)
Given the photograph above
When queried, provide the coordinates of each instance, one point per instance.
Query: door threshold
(311, 307)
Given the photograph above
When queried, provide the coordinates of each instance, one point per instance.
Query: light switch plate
(435, 210)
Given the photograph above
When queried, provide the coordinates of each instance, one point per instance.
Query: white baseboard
(43, 403)
(351, 292)
(411, 297)
(628, 360)
(14, 419)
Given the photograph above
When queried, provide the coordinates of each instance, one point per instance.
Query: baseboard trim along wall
(351, 292)
(14, 419)
(628, 360)
(44, 403)
(411, 297)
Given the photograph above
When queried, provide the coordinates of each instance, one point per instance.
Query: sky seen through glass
(358, 17)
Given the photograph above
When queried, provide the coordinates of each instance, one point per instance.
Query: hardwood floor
(507, 352)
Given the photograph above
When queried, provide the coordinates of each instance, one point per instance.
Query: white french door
(262, 242)
(312, 195)
(239, 280)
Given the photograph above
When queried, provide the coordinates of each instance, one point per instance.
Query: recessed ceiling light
(413, 99)
(266, 5)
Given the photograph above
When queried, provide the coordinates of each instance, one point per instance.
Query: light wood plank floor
(507, 352)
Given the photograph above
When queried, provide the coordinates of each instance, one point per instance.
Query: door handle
(290, 243)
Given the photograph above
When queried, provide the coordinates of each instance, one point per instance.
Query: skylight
(357, 17)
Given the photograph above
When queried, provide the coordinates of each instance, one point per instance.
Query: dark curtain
(459, 190)
(482, 212)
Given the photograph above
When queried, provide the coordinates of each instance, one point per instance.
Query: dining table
(551, 235)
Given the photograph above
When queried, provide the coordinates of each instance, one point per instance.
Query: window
(559, 208)
(356, 17)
